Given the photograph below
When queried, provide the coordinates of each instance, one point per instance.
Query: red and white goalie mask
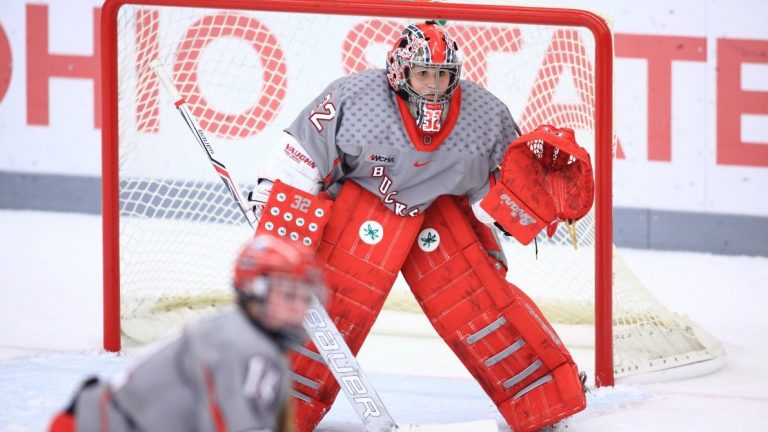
(424, 68)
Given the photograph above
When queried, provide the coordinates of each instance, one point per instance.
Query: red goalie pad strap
(487, 238)
(364, 246)
(294, 214)
(497, 332)
(545, 178)
(556, 396)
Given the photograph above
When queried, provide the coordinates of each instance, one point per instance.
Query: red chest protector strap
(494, 328)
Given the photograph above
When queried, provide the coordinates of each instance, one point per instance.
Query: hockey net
(172, 230)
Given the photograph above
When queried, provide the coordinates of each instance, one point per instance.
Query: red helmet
(265, 257)
(275, 281)
(427, 45)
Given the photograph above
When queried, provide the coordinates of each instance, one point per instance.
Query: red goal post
(453, 12)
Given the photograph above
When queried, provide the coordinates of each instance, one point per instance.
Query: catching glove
(546, 178)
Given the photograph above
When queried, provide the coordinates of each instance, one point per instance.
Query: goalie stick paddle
(318, 324)
(347, 372)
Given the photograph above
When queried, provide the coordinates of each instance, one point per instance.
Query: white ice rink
(50, 338)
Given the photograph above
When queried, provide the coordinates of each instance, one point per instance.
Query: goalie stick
(318, 324)
(202, 139)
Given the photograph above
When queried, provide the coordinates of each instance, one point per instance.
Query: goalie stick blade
(473, 426)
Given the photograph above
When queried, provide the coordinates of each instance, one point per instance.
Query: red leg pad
(362, 246)
(486, 236)
(548, 403)
(494, 328)
(308, 415)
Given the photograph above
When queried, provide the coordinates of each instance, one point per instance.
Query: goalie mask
(274, 281)
(424, 68)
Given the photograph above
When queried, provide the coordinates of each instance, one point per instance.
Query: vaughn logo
(299, 156)
(381, 159)
(525, 218)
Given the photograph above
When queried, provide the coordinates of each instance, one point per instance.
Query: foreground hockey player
(418, 165)
(227, 372)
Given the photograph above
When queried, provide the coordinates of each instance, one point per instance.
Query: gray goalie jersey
(358, 130)
(220, 372)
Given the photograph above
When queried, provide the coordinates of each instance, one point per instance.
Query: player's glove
(257, 198)
(546, 178)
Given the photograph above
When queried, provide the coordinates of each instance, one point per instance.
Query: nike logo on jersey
(418, 164)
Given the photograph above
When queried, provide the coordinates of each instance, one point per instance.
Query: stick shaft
(204, 142)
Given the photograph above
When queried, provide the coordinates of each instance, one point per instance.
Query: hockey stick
(202, 139)
(318, 324)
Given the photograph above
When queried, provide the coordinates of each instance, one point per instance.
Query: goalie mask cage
(246, 68)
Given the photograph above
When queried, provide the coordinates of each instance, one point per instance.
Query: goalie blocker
(294, 214)
(492, 326)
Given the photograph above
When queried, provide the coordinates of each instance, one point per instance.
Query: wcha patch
(382, 159)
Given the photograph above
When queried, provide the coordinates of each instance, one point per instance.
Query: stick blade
(473, 426)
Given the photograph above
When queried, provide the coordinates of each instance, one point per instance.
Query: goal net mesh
(246, 75)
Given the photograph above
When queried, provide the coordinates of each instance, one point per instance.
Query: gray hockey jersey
(358, 129)
(220, 371)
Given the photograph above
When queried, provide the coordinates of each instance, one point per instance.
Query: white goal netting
(246, 74)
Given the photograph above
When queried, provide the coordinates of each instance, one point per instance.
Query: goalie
(412, 167)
